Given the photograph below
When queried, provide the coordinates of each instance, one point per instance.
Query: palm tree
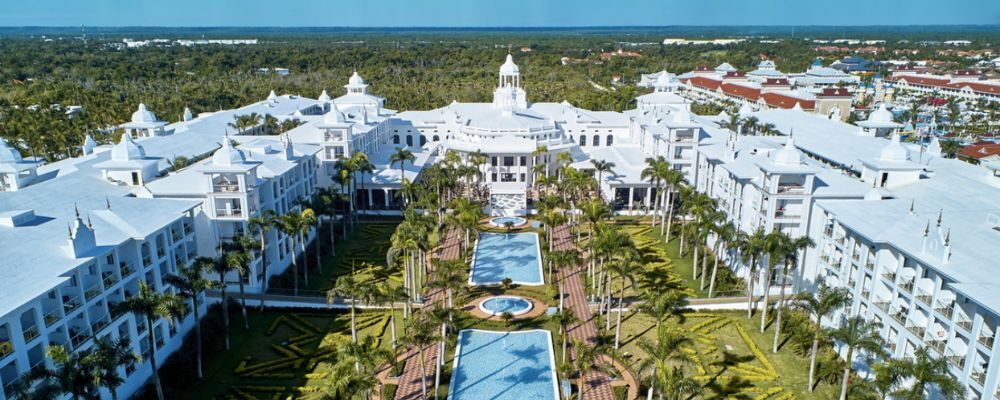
(791, 260)
(402, 155)
(347, 286)
(674, 180)
(191, 284)
(663, 304)
(585, 360)
(421, 334)
(826, 301)
(924, 374)
(602, 167)
(364, 166)
(390, 293)
(355, 370)
(70, 375)
(151, 305)
(775, 244)
(223, 267)
(296, 224)
(724, 232)
(261, 224)
(625, 268)
(564, 318)
(106, 357)
(750, 247)
(562, 260)
(241, 256)
(858, 335)
(666, 351)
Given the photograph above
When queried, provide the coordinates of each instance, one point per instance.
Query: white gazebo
(879, 123)
(144, 123)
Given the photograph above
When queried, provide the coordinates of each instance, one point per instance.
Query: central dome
(508, 67)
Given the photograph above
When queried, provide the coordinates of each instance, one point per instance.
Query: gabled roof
(746, 92)
(779, 100)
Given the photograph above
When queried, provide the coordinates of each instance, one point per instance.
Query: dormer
(879, 123)
(144, 123)
(230, 170)
(786, 172)
(15, 172)
(129, 164)
(81, 237)
(356, 84)
(892, 168)
(335, 126)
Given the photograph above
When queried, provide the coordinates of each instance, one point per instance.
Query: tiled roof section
(834, 92)
(704, 83)
(745, 92)
(704, 68)
(977, 87)
(920, 80)
(966, 72)
(785, 101)
(979, 151)
(735, 74)
(775, 82)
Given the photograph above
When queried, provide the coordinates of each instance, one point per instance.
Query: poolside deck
(598, 384)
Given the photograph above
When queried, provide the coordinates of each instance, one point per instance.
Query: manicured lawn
(755, 373)
(284, 354)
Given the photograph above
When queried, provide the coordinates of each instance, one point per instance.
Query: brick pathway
(597, 384)
(409, 381)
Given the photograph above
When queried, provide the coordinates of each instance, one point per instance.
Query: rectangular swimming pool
(507, 255)
(504, 365)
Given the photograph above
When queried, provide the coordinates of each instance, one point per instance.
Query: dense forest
(413, 70)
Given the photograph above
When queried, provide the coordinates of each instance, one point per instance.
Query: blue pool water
(501, 255)
(501, 304)
(504, 365)
(500, 221)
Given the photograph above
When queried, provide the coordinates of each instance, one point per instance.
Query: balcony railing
(828, 232)
(225, 188)
(92, 291)
(890, 276)
(109, 280)
(126, 270)
(944, 310)
(79, 338)
(102, 322)
(70, 304)
(865, 293)
(924, 297)
(51, 317)
(967, 325)
(840, 241)
(31, 333)
(882, 305)
(229, 212)
(987, 341)
(141, 327)
(918, 330)
(979, 376)
(956, 361)
(907, 286)
(791, 189)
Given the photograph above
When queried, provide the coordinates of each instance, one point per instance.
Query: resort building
(966, 85)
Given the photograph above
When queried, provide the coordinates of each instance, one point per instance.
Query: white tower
(509, 93)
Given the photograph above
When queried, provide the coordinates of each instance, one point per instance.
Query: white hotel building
(913, 235)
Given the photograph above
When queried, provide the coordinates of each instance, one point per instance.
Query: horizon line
(505, 27)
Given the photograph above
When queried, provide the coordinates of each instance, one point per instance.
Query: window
(609, 140)
(493, 161)
(523, 178)
(409, 140)
(583, 140)
(524, 160)
(423, 140)
(436, 138)
(597, 140)
(395, 139)
(493, 177)
(507, 177)
(508, 161)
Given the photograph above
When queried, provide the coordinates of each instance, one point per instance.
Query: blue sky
(492, 13)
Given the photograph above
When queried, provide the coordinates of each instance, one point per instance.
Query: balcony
(917, 330)
(865, 293)
(840, 241)
(6, 348)
(79, 338)
(102, 322)
(70, 304)
(967, 325)
(126, 270)
(146, 261)
(890, 276)
(51, 317)
(787, 214)
(229, 212)
(226, 188)
(924, 297)
(109, 280)
(141, 327)
(979, 376)
(907, 287)
(791, 189)
(987, 341)
(31, 333)
(92, 291)
(944, 310)
(882, 305)
(956, 361)
(938, 345)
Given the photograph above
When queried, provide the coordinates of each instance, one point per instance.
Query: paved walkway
(597, 385)
(410, 387)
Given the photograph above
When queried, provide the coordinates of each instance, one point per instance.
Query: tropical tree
(663, 304)
(349, 287)
(363, 166)
(792, 249)
(751, 248)
(656, 171)
(402, 155)
(296, 224)
(106, 357)
(724, 232)
(191, 284)
(69, 375)
(858, 336)
(150, 305)
(564, 318)
(586, 358)
(222, 267)
(602, 167)
(421, 334)
(924, 375)
(826, 301)
(354, 374)
(240, 257)
(260, 225)
(665, 352)
(561, 261)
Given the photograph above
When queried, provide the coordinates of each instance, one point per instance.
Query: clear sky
(493, 13)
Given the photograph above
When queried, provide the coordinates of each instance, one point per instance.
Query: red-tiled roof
(834, 92)
(977, 87)
(920, 80)
(704, 83)
(745, 92)
(784, 101)
(775, 82)
(735, 74)
(977, 151)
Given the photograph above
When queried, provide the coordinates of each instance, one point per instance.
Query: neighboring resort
(909, 233)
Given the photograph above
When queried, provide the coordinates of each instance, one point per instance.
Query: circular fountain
(498, 305)
(500, 221)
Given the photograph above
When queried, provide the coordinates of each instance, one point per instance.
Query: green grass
(306, 340)
(783, 375)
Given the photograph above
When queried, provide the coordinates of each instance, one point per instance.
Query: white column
(386, 198)
(631, 191)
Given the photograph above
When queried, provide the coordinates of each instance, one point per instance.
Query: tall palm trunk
(670, 215)
(812, 358)
(333, 234)
(847, 374)
(305, 270)
(295, 268)
(224, 308)
(766, 286)
(752, 278)
(423, 369)
(197, 334)
(243, 306)
(715, 267)
(316, 250)
(152, 357)
(621, 308)
(781, 306)
(263, 269)
(354, 326)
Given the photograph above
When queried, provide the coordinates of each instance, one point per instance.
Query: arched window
(583, 140)
(610, 141)
(597, 140)
(423, 140)
(395, 139)
(436, 138)
(409, 140)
